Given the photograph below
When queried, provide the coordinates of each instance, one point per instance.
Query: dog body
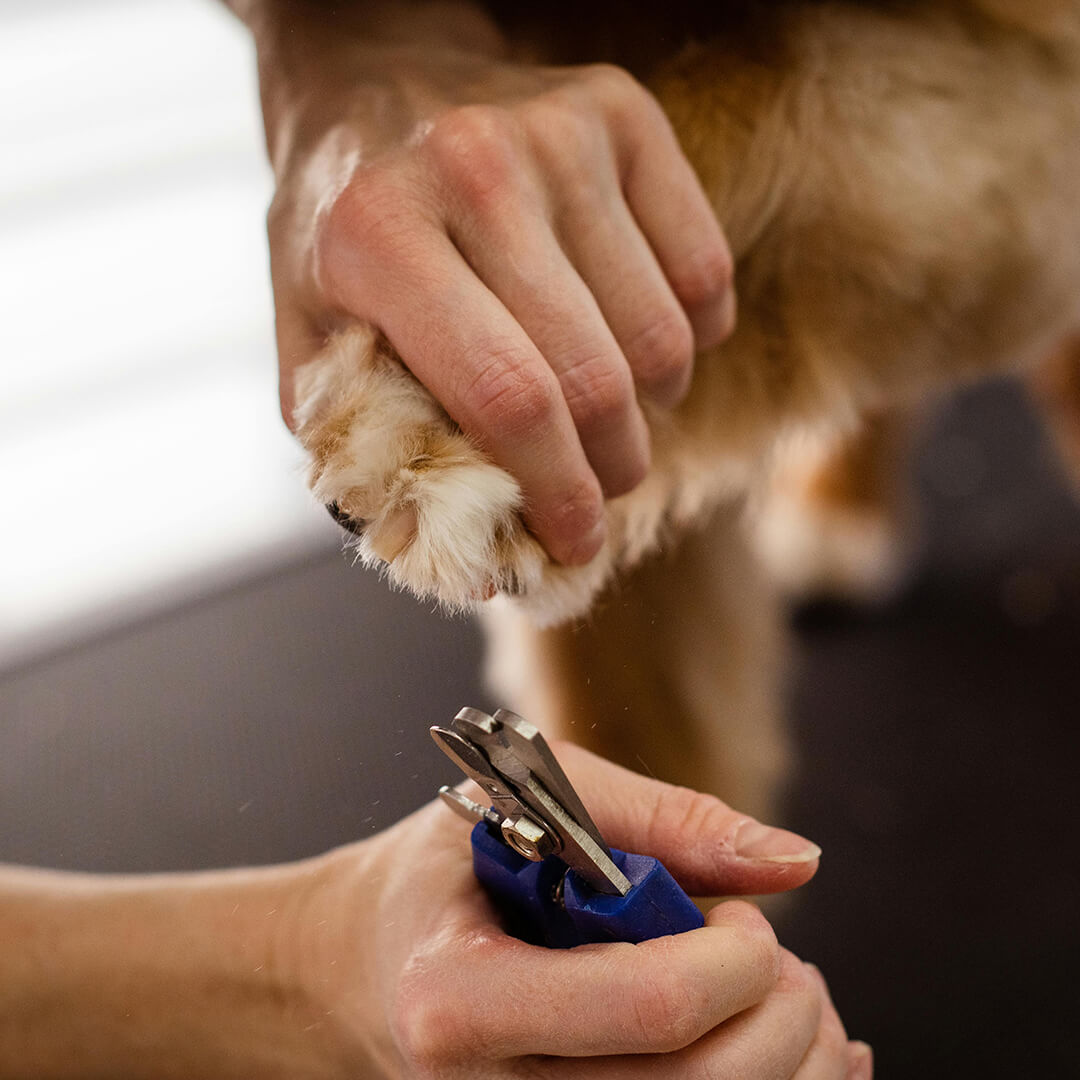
(898, 185)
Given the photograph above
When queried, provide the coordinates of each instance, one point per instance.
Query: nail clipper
(538, 852)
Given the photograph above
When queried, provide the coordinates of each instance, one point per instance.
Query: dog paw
(421, 499)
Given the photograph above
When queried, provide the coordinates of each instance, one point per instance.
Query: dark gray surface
(939, 754)
(274, 721)
(938, 739)
(940, 750)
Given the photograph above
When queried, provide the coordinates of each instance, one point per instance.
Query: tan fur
(676, 674)
(898, 183)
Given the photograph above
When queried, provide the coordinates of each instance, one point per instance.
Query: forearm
(170, 975)
(377, 54)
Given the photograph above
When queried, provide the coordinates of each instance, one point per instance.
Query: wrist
(338, 955)
(322, 65)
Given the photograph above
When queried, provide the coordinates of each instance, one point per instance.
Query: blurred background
(193, 675)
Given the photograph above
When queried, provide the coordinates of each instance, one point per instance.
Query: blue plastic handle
(546, 904)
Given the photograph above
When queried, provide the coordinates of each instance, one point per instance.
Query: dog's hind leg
(675, 673)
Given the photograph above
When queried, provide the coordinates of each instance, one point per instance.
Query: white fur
(469, 538)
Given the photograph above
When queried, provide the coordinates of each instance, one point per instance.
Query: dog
(897, 181)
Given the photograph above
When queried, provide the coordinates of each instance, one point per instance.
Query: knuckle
(670, 808)
(469, 131)
(756, 939)
(665, 1012)
(362, 208)
(427, 1027)
(554, 120)
(625, 99)
(795, 980)
(615, 84)
(677, 812)
(697, 811)
(793, 973)
(370, 215)
(508, 402)
(598, 392)
(474, 150)
(663, 352)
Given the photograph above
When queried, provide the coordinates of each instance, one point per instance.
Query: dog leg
(675, 673)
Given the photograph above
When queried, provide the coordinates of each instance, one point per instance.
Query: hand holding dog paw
(531, 241)
(413, 973)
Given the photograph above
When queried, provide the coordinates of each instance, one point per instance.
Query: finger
(465, 347)
(298, 340)
(828, 1057)
(615, 260)
(597, 1000)
(513, 250)
(300, 333)
(667, 200)
(860, 1061)
(767, 1041)
(711, 849)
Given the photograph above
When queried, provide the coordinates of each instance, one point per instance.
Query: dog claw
(348, 523)
(395, 534)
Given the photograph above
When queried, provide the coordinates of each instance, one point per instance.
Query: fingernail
(860, 1061)
(766, 844)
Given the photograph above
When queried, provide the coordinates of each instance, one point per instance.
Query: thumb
(710, 849)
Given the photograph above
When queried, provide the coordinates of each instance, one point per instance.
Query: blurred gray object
(277, 719)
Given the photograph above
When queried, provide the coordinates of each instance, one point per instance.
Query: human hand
(384, 959)
(531, 240)
(416, 979)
